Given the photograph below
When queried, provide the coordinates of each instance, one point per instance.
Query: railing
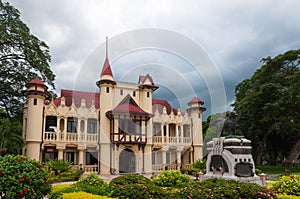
(70, 137)
(160, 167)
(86, 168)
(158, 140)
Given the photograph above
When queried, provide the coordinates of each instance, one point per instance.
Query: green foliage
(265, 106)
(92, 180)
(130, 179)
(283, 196)
(190, 171)
(82, 195)
(171, 179)
(257, 172)
(278, 169)
(200, 164)
(71, 175)
(289, 185)
(10, 132)
(59, 166)
(135, 186)
(220, 188)
(21, 177)
(22, 58)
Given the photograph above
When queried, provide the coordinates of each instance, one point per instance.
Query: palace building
(121, 129)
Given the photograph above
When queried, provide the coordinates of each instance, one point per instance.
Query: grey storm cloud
(235, 35)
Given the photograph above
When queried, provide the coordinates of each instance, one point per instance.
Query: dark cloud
(236, 35)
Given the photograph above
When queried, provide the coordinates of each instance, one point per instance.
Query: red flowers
(39, 170)
(21, 193)
(36, 164)
(46, 182)
(22, 179)
(25, 190)
(1, 171)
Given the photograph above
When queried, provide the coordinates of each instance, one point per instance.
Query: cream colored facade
(122, 129)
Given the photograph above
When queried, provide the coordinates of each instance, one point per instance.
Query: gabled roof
(106, 70)
(196, 100)
(36, 81)
(77, 96)
(143, 78)
(158, 104)
(128, 106)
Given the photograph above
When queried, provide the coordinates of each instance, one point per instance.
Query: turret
(147, 87)
(195, 111)
(36, 94)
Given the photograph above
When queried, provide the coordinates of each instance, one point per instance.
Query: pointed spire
(106, 70)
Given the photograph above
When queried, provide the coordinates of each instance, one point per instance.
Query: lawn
(279, 169)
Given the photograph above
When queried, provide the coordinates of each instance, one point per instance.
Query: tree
(267, 107)
(22, 58)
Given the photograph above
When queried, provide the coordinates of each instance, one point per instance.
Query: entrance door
(127, 161)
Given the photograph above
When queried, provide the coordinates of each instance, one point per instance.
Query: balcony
(71, 137)
(160, 141)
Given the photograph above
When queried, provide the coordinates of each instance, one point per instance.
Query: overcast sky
(234, 34)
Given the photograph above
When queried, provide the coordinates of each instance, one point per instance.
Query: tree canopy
(22, 58)
(268, 109)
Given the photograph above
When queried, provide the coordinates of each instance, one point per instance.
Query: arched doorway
(127, 161)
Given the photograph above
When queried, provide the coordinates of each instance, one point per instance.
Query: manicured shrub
(135, 186)
(289, 185)
(200, 164)
(220, 188)
(82, 195)
(190, 171)
(171, 179)
(21, 177)
(59, 166)
(130, 179)
(283, 196)
(92, 180)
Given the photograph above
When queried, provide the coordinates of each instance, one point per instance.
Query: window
(92, 126)
(153, 157)
(91, 158)
(34, 101)
(156, 129)
(71, 156)
(121, 92)
(168, 157)
(186, 130)
(148, 94)
(51, 124)
(129, 126)
(133, 93)
(72, 125)
(107, 89)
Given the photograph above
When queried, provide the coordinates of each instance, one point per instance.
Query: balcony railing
(161, 167)
(159, 140)
(71, 137)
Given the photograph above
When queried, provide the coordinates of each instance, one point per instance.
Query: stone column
(60, 154)
(176, 132)
(167, 133)
(80, 157)
(162, 134)
(164, 158)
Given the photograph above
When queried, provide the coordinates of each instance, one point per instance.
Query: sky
(190, 48)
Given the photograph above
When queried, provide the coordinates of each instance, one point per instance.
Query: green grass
(278, 169)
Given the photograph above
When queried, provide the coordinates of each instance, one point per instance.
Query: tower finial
(106, 53)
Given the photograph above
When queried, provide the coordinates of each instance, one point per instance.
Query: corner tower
(195, 111)
(106, 85)
(36, 94)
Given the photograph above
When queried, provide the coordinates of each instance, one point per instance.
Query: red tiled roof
(106, 70)
(77, 96)
(196, 100)
(159, 104)
(37, 81)
(128, 105)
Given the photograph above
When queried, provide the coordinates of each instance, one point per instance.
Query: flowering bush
(220, 188)
(21, 177)
(289, 185)
(171, 179)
